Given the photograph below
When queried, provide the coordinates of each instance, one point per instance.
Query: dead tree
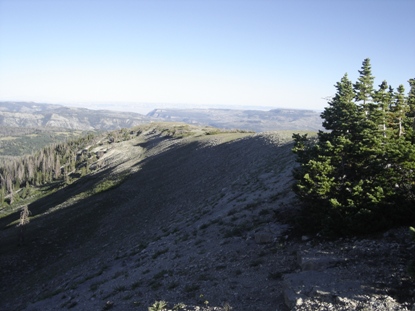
(23, 221)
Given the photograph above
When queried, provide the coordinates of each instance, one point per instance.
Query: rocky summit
(184, 217)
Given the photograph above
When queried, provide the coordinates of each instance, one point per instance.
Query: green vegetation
(158, 306)
(54, 166)
(23, 178)
(57, 165)
(179, 306)
(18, 141)
(358, 176)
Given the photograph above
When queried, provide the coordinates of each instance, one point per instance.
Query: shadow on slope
(186, 177)
(169, 186)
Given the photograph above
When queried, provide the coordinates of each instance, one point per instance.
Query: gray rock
(263, 238)
(312, 260)
(315, 284)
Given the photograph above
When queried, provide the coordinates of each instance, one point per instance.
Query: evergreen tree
(342, 112)
(359, 175)
(364, 86)
(382, 100)
(399, 111)
(410, 125)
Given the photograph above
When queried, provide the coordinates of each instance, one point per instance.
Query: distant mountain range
(252, 120)
(29, 114)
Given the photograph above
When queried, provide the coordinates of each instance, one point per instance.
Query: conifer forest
(53, 166)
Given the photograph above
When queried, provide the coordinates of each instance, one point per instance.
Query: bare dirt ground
(199, 221)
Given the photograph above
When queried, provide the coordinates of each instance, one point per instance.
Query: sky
(146, 54)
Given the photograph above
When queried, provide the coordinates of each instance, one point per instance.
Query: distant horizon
(244, 53)
(145, 108)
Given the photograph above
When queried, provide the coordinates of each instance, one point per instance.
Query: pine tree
(401, 151)
(410, 125)
(399, 111)
(342, 112)
(382, 100)
(364, 86)
(359, 174)
(328, 169)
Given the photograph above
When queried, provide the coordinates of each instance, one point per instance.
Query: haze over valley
(29, 114)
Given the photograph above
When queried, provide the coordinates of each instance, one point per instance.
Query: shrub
(158, 306)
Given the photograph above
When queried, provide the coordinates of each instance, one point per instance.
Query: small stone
(305, 238)
(108, 305)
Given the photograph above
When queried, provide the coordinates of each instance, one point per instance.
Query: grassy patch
(108, 184)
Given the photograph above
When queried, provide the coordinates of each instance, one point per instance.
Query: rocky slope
(197, 217)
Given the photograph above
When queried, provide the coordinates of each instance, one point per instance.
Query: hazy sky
(275, 53)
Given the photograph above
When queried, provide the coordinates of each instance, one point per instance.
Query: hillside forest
(16, 141)
(55, 165)
(358, 176)
(24, 178)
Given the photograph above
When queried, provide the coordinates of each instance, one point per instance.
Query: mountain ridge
(191, 215)
(251, 120)
(28, 114)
